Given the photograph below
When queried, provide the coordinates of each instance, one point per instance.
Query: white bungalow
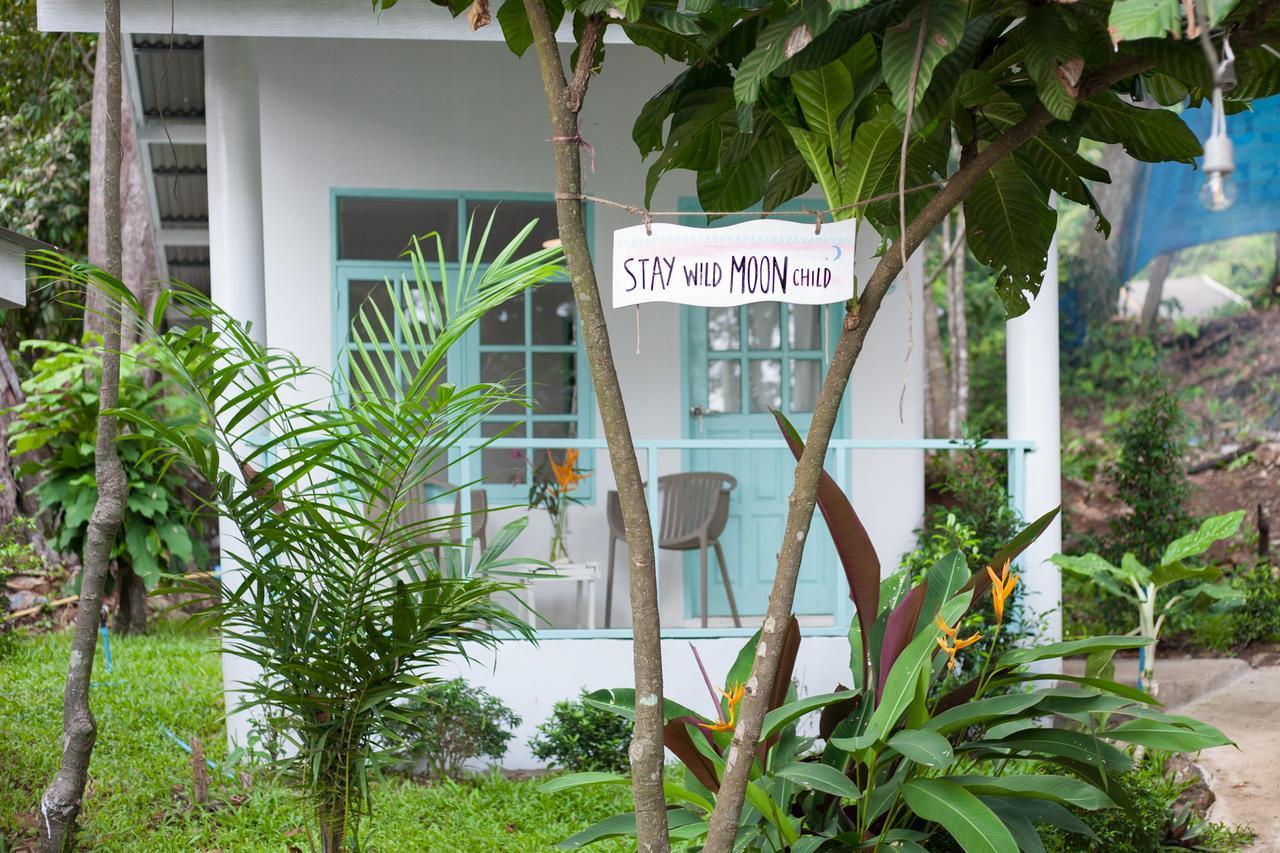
(295, 147)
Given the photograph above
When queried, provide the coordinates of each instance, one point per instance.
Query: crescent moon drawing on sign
(836, 246)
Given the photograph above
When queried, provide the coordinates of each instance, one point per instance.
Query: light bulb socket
(1219, 155)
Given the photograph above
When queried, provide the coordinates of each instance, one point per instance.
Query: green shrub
(447, 724)
(1258, 619)
(580, 737)
(1149, 475)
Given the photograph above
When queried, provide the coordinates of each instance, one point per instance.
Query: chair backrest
(694, 504)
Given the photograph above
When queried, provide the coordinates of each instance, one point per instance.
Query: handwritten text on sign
(756, 261)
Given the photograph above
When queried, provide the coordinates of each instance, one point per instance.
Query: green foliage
(444, 725)
(889, 763)
(580, 736)
(771, 98)
(344, 604)
(1185, 584)
(53, 433)
(1257, 620)
(1111, 369)
(139, 802)
(46, 83)
(1149, 475)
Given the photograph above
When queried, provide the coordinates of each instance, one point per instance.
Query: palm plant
(344, 605)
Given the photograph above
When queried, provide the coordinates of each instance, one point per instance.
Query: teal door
(742, 362)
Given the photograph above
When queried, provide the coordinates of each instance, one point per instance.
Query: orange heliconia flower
(956, 642)
(566, 473)
(734, 695)
(1001, 589)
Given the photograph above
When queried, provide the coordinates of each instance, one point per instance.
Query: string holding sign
(755, 261)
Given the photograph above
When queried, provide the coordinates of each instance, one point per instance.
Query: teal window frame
(463, 368)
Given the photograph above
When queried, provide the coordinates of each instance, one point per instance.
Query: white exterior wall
(471, 117)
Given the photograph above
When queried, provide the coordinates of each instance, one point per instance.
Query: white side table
(584, 575)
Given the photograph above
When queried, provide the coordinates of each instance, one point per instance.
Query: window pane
(763, 328)
(369, 377)
(724, 385)
(805, 327)
(506, 368)
(554, 315)
(765, 378)
(555, 429)
(380, 229)
(504, 324)
(510, 219)
(722, 329)
(365, 292)
(806, 381)
(503, 465)
(555, 382)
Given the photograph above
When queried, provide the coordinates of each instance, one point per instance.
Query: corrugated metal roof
(170, 75)
(190, 264)
(181, 185)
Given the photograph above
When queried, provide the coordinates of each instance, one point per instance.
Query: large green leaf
(781, 39)
(1211, 530)
(792, 711)
(873, 163)
(820, 777)
(824, 94)
(971, 823)
(739, 185)
(1171, 734)
(1017, 657)
(1059, 789)
(623, 826)
(1137, 19)
(1009, 227)
(694, 139)
(1065, 172)
(986, 710)
(514, 22)
(792, 179)
(1054, 59)
(1072, 746)
(924, 747)
(943, 24)
(1152, 135)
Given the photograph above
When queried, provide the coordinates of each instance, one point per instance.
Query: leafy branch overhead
(776, 97)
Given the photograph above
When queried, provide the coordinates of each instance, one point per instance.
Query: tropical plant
(448, 723)
(890, 768)
(1142, 585)
(580, 736)
(337, 596)
(53, 432)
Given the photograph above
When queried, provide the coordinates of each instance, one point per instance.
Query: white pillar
(1031, 356)
(237, 279)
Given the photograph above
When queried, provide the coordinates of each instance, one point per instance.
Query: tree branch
(764, 669)
(563, 103)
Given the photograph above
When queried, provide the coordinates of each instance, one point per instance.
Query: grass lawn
(140, 780)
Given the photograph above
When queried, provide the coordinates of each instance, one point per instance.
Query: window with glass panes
(531, 342)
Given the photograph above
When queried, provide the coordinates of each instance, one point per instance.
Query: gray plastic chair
(693, 514)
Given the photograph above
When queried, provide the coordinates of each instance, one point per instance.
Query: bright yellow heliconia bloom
(1001, 589)
(734, 695)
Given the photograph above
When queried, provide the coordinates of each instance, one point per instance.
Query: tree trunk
(764, 667)
(131, 602)
(958, 326)
(936, 377)
(564, 101)
(60, 805)
(1155, 292)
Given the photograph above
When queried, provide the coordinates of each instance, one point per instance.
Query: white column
(1031, 356)
(237, 280)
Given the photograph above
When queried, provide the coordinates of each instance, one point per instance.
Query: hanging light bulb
(1219, 190)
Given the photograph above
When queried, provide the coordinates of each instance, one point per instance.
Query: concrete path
(1245, 781)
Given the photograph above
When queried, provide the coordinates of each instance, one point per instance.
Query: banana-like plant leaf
(1211, 530)
(1017, 657)
(853, 545)
(1058, 789)
(820, 777)
(981, 581)
(898, 631)
(677, 736)
(924, 747)
(963, 815)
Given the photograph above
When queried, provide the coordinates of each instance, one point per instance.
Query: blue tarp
(1169, 215)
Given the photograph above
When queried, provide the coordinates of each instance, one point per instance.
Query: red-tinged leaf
(833, 715)
(898, 631)
(853, 545)
(676, 737)
(980, 583)
(782, 681)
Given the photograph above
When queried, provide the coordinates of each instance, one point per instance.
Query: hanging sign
(760, 260)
